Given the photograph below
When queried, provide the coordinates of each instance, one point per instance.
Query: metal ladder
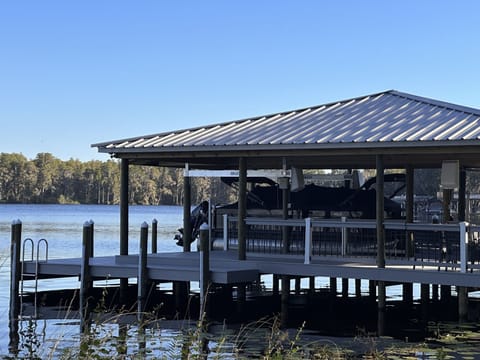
(31, 276)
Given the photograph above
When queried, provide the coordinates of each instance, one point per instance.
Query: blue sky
(73, 73)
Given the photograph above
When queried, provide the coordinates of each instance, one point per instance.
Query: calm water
(62, 226)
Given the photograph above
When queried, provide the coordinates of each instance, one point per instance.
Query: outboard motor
(198, 216)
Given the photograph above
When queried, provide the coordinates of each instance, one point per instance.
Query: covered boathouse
(382, 131)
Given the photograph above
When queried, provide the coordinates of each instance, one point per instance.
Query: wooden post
(358, 288)
(333, 286)
(15, 270)
(142, 272)
(435, 292)
(372, 289)
(462, 293)
(425, 300)
(204, 269)
(154, 236)
(298, 285)
(382, 306)
(284, 300)
(311, 285)
(242, 208)
(85, 280)
(124, 176)
(407, 293)
(275, 280)
(187, 204)
(308, 240)
(345, 288)
(225, 232)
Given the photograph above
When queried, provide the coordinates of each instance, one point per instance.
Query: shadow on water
(240, 330)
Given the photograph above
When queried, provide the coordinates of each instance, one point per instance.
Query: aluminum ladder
(25, 276)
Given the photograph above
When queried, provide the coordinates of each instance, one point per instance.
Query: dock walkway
(226, 269)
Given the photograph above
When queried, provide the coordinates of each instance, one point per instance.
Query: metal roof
(389, 119)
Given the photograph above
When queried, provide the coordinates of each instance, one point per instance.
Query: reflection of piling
(142, 272)
(85, 278)
(15, 273)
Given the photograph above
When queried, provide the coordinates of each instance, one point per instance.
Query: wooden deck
(226, 269)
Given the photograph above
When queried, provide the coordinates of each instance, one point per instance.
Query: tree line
(49, 180)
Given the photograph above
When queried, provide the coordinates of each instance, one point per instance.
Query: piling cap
(16, 222)
(204, 226)
(144, 225)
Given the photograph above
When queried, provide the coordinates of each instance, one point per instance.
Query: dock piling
(15, 273)
(15, 269)
(204, 268)
(154, 236)
(85, 281)
(142, 272)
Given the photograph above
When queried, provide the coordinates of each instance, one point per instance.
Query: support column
(187, 204)
(462, 195)
(285, 187)
(380, 212)
(407, 288)
(462, 291)
(242, 208)
(445, 290)
(381, 304)
(181, 288)
(124, 176)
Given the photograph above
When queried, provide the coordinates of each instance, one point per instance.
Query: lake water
(61, 226)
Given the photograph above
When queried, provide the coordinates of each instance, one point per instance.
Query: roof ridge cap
(440, 103)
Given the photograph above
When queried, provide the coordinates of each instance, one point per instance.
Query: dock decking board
(226, 269)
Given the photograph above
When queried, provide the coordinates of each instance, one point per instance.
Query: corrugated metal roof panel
(389, 116)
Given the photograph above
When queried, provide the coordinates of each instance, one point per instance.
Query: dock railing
(449, 246)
